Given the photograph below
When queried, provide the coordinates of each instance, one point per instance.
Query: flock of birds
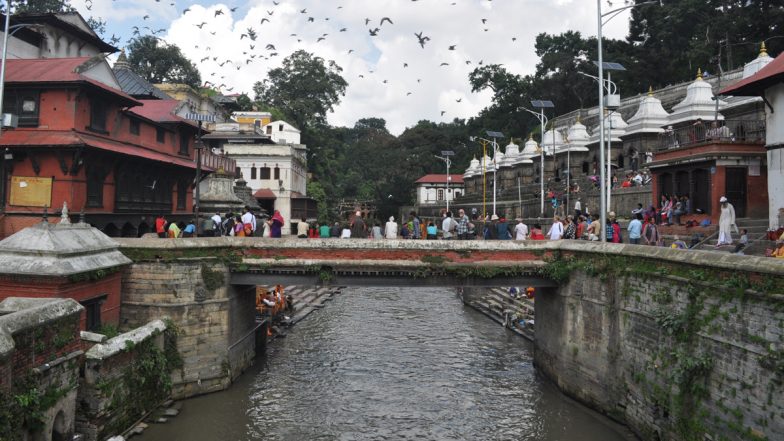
(255, 52)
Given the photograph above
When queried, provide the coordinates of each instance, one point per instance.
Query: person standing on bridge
(358, 227)
(390, 229)
(556, 230)
(462, 225)
(249, 219)
(521, 230)
(276, 223)
(416, 231)
(160, 226)
(448, 226)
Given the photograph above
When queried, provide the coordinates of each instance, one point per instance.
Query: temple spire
(699, 74)
(763, 51)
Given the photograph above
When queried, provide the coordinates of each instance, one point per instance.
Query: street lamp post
(541, 105)
(484, 143)
(445, 154)
(600, 23)
(495, 135)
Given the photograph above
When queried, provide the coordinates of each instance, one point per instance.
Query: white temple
(698, 104)
(650, 117)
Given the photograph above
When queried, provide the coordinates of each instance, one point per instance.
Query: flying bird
(367, 20)
(145, 17)
(270, 47)
(303, 11)
(270, 12)
(263, 20)
(385, 19)
(233, 9)
(422, 39)
(218, 12)
(484, 20)
(186, 10)
(459, 100)
(452, 47)
(443, 112)
(373, 32)
(201, 25)
(342, 29)
(444, 64)
(320, 39)
(311, 19)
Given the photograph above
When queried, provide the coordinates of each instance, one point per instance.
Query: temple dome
(758, 63)
(577, 138)
(473, 168)
(616, 126)
(512, 152)
(553, 141)
(650, 116)
(530, 149)
(698, 104)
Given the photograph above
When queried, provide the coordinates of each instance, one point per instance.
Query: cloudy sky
(390, 75)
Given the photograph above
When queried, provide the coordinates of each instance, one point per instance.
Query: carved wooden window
(160, 135)
(24, 104)
(95, 180)
(184, 141)
(253, 172)
(182, 191)
(98, 111)
(134, 127)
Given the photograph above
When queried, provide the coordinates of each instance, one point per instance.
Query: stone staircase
(497, 304)
(305, 300)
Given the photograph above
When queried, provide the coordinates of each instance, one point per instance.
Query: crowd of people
(232, 224)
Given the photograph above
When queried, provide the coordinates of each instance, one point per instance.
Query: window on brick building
(95, 180)
(135, 127)
(184, 141)
(264, 173)
(160, 135)
(98, 109)
(92, 309)
(24, 104)
(182, 192)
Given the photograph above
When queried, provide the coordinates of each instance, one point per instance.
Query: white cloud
(446, 22)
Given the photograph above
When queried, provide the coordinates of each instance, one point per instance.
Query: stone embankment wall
(215, 321)
(124, 378)
(680, 345)
(40, 351)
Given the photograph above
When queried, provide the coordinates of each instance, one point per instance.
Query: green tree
(42, 6)
(305, 88)
(317, 193)
(158, 62)
(244, 102)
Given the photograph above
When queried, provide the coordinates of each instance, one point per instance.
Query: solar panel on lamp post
(541, 105)
(613, 101)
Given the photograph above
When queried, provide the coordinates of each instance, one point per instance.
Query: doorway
(735, 189)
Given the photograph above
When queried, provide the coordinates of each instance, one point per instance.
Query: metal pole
(484, 180)
(198, 181)
(602, 200)
(447, 184)
(3, 61)
(519, 196)
(568, 177)
(495, 166)
(541, 165)
(609, 160)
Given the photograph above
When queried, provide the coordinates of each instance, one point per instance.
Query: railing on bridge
(725, 132)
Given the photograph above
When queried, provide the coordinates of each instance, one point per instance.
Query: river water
(389, 364)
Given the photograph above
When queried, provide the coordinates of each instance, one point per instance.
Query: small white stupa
(698, 104)
(650, 117)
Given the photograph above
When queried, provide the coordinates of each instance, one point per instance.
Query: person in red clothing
(160, 226)
(536, 232)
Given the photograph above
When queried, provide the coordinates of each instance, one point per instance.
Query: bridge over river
(676, 344)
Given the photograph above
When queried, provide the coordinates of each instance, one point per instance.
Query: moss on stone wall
(22, 407)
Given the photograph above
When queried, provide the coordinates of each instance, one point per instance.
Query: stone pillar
(217, 195)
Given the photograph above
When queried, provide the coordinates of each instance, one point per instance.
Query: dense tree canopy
(305, 88)
(41, 6)
(158, 62)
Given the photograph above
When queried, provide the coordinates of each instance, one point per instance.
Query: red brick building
(81, 140)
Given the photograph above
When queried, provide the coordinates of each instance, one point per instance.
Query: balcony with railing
(714, 132)
(218, 163)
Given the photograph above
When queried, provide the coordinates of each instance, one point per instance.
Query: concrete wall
(673, 345)
(775, 143)
(215, 321)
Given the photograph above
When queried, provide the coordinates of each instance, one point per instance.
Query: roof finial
(699, 74)
(650, 90)
(531, 136)
(64, 216)
(763, 51)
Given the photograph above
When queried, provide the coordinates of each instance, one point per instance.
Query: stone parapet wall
(210, 315)
(677, 344)
(124, 377)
